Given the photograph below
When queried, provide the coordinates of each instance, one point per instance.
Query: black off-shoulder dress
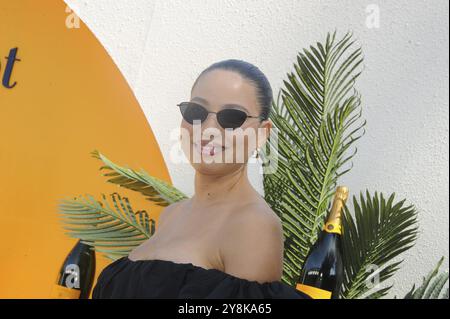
(155, 278)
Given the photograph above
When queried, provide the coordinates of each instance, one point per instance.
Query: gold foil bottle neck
(333, 224)
(341, 193)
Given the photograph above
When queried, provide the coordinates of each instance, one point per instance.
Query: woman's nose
(211, 121)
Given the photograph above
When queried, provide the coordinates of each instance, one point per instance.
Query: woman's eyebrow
(202, 100)
(237, 106)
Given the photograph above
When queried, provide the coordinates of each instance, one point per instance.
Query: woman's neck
(213, 189)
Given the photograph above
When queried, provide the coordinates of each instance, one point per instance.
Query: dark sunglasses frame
(219, 114)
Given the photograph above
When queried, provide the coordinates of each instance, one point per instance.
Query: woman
(225, 241)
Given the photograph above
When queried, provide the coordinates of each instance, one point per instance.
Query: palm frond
(317, 121)
(154, 189)
(112, 229)
(379, 231)
(433, 285)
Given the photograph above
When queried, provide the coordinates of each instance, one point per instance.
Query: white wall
(161, 46)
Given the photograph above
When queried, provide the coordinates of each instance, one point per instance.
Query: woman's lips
(209, 149)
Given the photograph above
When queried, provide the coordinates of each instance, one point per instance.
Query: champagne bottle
(76, 274)
(322, 273)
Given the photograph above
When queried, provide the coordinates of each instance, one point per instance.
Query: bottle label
(313, 292)
(61, 292)
(333, 226)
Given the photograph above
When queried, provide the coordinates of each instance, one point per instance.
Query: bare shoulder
(256, 215)
(253, 248)
(168, 211)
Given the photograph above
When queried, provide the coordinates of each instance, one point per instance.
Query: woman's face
(216, 90)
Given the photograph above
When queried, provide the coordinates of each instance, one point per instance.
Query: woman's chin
(212, 168)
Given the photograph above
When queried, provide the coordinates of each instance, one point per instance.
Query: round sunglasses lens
(192, 111)
(231, 118)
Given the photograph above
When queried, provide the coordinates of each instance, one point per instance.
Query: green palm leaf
(378, 231)
(112, 229)
(433, 285)
(154, 189)
(317, 121)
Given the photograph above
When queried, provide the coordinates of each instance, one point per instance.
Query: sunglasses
(227, 118)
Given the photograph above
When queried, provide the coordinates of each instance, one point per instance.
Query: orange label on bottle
(60, 292)
(313, 292)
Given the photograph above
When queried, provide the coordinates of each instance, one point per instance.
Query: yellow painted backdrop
(70, 99)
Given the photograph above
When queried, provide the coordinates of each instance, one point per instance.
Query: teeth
(210, 149)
